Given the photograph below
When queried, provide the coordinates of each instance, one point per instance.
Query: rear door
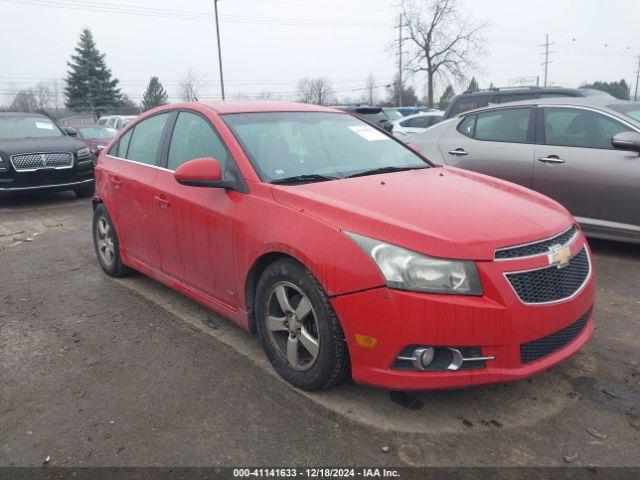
(497, 142)
(577, 165)
(131, 177)
(194, 225)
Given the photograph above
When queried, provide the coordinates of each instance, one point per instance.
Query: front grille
(37, 161)
(551, 284)
(542, 347)
(537, 248)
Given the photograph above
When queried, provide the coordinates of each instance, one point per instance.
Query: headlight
(407, 270)
(83, 152)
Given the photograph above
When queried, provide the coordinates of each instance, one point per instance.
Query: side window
(508, 125)
(144, 145)
(572, 127)
(467, 126)
(406, 123)
(514, 97)
(422, 122)
(193, 137)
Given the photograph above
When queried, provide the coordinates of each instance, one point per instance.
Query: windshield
(630, 109)
(392, 113)
(27, 127)
(287, 144)
(98, 132)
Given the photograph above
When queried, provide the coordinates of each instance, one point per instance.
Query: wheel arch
(260, 265)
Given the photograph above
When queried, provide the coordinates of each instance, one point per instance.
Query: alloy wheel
(293, 326)
(104, 240)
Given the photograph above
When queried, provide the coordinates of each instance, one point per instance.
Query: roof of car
(508, 90)
(21, 114)
(256, 106)
(568, 101)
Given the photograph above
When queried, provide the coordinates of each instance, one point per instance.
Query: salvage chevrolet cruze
(348, 252)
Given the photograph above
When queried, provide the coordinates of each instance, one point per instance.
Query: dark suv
(35, 154)
(473, 99)
(381, 117)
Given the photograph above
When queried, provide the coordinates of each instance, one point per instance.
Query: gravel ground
(102, 372)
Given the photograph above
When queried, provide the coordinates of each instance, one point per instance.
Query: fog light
(423, 357)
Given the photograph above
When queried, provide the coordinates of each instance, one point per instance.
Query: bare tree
(315, 90)
(304, 90)
(39, 98)
(190, 85)
(444, 43)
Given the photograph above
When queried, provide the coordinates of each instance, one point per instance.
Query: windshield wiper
(376, 171)
(307, 178)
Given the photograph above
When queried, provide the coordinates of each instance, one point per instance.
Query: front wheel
(298, 327)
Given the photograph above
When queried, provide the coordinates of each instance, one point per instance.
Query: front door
(195, 225)
(577, 166)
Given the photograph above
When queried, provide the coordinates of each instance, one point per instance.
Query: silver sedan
(581, 152)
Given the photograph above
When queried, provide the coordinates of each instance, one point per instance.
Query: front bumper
(47, 179)
(498, 322)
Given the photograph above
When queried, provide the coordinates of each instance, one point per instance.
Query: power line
(115, 8)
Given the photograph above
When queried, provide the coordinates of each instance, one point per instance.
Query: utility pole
(635, 95)
(400, 60)
(215, 7)
(546, 54)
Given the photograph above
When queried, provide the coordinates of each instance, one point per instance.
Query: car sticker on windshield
(46, 126)
(368, 133)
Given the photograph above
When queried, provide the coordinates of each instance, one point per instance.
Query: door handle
(551, 159)
(458, 152)
(116, 181)
(164, 203)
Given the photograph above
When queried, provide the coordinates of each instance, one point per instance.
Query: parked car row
(115, 121)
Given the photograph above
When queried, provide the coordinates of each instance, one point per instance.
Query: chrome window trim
(567, 243)
(573, 295)
(156, 167)
(43, 168)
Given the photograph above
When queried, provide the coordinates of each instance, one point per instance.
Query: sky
(268, 45)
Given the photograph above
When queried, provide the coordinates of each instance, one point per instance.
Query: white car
(115, 121)
(416, 123)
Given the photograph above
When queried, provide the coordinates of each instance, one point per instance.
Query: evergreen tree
(446, 97)
(617, 89)
(473, 84)
(154, 95)
(89, 85)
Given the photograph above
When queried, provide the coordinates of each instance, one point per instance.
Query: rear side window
(424, 122)
(144, 145)
(467, 126)
(193, 137)
(571, 127)
(508, 125)
(123, 144)
(515, 97)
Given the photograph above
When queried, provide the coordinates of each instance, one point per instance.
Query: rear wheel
(298, 328)
(106, 243)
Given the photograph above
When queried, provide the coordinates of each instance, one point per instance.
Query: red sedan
(348, 252)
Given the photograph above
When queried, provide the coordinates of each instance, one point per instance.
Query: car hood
(39, 145)
(444, 212)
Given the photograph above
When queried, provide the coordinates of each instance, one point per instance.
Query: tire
(86, 191)
(288, 328)
(105, 241)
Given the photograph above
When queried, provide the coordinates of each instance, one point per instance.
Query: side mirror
(72, 132)
(627, 141)
(200, 172)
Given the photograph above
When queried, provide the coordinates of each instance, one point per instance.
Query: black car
(381, 117)
(35, 154)
(473, 99)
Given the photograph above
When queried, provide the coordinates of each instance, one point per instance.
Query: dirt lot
(97, 371)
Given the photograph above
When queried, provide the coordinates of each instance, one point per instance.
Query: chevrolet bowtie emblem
(559, 256)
